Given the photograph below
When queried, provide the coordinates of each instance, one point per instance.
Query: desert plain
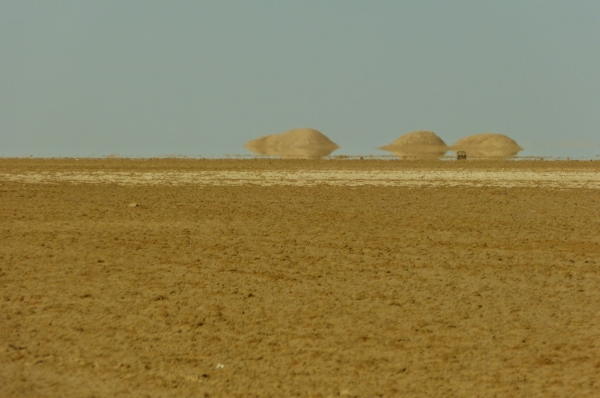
(309, 278)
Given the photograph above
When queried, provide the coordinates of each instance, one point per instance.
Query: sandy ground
(299, 278)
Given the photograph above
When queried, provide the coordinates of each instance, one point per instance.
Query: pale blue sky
(154, 78)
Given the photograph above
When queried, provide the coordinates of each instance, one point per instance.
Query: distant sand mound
(488, 145)
(298, 143)
(421, 144)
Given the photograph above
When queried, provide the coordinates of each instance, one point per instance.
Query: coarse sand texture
(182, 277)
(488, 145)
(420, 144)
(297, 143)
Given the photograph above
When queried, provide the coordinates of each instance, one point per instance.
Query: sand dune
(300, 143)
(488, 145)
(420, 144)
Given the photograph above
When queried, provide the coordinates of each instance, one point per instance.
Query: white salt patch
(405, 178)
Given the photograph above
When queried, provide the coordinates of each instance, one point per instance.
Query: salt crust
(383, 178)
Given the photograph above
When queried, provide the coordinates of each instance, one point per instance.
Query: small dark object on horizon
(461, 155)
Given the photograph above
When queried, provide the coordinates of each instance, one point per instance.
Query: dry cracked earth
(272, 278)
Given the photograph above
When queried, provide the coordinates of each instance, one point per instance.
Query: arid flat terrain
(309, 278)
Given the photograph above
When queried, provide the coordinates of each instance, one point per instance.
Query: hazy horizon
(153, 79)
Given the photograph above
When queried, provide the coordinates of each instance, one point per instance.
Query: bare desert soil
(316, 278)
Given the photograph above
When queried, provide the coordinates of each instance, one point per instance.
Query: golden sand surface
(311, 278)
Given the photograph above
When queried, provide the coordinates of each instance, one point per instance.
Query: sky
(146, 78)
